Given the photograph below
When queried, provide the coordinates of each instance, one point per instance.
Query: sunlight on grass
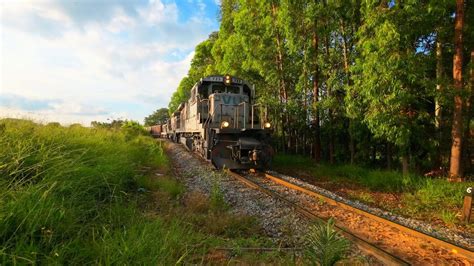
(67, 196)
(419, 194)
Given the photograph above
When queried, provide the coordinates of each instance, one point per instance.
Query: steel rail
(453, 248)
(367, 247)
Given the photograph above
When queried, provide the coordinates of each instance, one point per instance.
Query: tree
(351, 81)
(389, 75)
(456, 132)
(157, 117)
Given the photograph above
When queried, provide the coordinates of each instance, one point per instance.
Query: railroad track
(385, 255)
(453, 248)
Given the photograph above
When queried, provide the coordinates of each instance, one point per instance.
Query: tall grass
(418, 193)
(65, 197)
(379, 180)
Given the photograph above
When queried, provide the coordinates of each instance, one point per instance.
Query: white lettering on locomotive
(230, 99)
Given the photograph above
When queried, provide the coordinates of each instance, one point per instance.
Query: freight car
(222, 122)
(155, 131)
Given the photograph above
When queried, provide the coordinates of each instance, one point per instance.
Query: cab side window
(248, 92)
(203, 91)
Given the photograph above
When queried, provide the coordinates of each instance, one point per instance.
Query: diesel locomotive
(222, 122)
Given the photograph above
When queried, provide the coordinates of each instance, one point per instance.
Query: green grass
(421, 196)
(68, 196)
(377, 180)
(75, 195)
(448, 217)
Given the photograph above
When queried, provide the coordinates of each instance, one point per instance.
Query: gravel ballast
(280, 222)
(287, 229)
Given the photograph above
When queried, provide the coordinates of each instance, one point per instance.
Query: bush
(132, 129)
(324, 246)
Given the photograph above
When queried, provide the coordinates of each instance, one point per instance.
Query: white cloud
(131, 62)
(157, 12)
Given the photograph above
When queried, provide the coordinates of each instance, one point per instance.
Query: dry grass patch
(196, 202)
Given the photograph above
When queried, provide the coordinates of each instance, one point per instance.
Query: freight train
(156, 131)
(222, 122)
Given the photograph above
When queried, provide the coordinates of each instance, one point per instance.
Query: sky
(77, 61)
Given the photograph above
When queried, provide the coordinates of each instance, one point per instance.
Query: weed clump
(217, 201)
(325, 246)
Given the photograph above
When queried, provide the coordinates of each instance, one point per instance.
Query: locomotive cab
(221, 122)
(240, 141)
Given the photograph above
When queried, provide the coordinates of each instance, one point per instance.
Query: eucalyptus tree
(390, 75)
(456, 132)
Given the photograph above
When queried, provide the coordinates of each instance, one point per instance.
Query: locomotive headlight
(224, 124)
(227, 80)
(267, 125)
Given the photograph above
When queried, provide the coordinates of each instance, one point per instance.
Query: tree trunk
(345, 56)
(439, 74)
(374, 154)
(330, 110)
(455, 170)
(389, 156)
(405, 165)
(351, 144)
(468, 133)
(317, 134)
(283, 91)
(281, 79)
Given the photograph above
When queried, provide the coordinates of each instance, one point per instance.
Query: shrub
(324, 246)
(133, 129)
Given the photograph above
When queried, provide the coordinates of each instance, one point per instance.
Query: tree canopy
(160, 116)
(366, 82)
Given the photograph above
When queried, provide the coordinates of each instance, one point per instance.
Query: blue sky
(85, 60)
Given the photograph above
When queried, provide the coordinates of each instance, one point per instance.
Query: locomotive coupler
(253, 155)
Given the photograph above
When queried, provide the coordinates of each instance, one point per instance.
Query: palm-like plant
(324, 245)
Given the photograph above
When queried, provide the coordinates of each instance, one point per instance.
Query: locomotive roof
(214, 78)
(220, 78)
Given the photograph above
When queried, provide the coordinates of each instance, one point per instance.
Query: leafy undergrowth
(435, 200)
(75, 195)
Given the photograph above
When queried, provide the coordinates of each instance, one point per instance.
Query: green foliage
(66, 197)
(181, 94)
(362, 69)
(133, 129)
(114, 124)
(172, 187)
(324, 245)
(420, 196)
(448, 217)
(76, 195)
(388, 74)
(432, 194)
(217, 201)
(158, 117)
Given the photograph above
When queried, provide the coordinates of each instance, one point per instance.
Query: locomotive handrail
(266, 114)
(211, 115)
(238, 115)
(202, 111)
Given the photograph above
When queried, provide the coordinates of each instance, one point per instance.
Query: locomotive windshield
(218, 88)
